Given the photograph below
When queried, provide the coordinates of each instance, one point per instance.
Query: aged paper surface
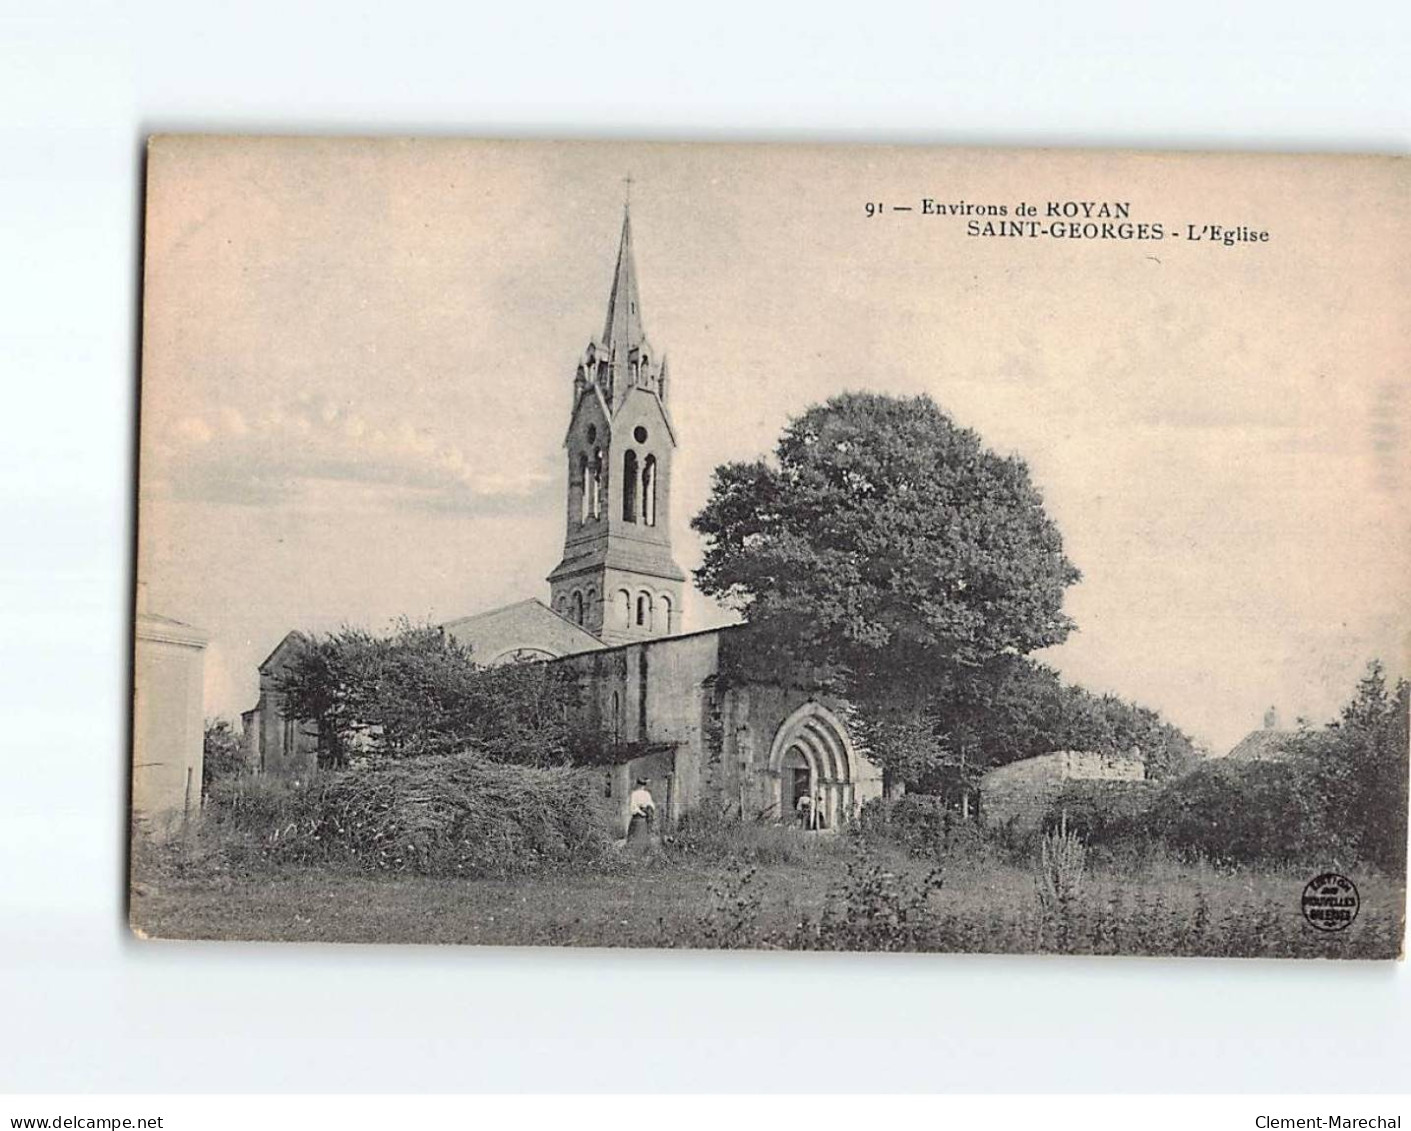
(424, 427)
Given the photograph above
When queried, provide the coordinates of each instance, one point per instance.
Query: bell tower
(618, 578)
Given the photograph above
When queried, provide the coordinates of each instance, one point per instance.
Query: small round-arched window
(639, 434)
(592, 433)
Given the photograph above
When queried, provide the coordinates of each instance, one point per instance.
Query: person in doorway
(641, 811)
(820, 812)
(803, 811)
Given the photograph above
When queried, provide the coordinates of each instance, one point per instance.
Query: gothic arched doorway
(812, 750)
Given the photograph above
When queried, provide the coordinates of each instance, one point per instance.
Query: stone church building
(688, 710)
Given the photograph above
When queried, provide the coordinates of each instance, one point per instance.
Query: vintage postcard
(768, 546)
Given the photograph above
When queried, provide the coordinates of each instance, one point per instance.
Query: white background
(83, 1006)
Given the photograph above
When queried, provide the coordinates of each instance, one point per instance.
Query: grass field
(788, 895)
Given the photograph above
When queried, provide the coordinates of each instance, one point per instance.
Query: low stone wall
(1022, 792)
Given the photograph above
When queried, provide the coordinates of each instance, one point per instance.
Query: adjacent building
(168, 719)
(1270, 743)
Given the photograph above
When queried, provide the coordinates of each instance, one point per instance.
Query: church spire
(622, 332)
(618, 578)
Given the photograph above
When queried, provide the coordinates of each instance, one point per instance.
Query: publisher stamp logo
(1331, 902)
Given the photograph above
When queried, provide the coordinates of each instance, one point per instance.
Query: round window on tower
(592, 433)
(639, 434)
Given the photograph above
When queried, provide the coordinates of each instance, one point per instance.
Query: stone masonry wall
(1022, 791)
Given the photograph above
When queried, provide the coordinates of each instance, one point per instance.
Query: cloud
(318, 454)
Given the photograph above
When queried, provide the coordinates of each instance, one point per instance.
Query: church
(689, 711)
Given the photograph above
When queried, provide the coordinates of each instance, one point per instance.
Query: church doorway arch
(812, 749)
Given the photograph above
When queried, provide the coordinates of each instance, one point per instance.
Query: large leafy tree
(906, 560)
(885, 536)
(915, 568)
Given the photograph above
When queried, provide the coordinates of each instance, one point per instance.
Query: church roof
(622, 331)
(528, 625)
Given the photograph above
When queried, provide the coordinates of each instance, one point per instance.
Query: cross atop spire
(622, 332)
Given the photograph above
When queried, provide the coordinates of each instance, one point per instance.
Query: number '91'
(874, 208)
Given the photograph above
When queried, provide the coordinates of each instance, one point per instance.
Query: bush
(870, 907)
(1101, 812)
(1356, 768)
(419, 692)
(1235, 812)
(923, 824)
(223, 754)
(262, 805)
(874, 908)
(448, 815)
(733, 919)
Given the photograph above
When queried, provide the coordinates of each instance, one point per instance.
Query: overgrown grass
(454, 848)
(783, 889)
(715, 835)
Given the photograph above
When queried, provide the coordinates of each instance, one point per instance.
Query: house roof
(288, 640)
(1264, 745)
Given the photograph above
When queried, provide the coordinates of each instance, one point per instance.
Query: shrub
(447, 815)
(1356, 768)
(923, 824)
(258, 804)
(875, 908)
(1235, 812)
(733, 919)
(1101, 812)
(223, 754)
(919, 821)
(419, 692)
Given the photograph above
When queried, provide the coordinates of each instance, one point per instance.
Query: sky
(358, 361)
